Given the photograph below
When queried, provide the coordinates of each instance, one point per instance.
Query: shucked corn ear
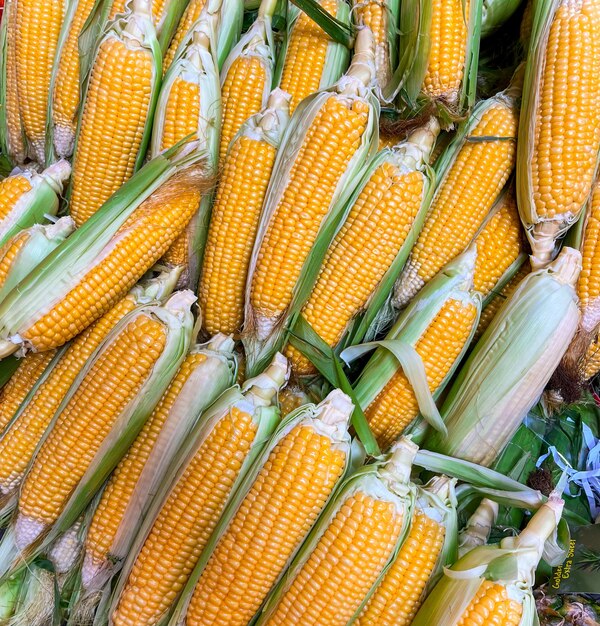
(98, 264)
(128, 495)
(471, 174)
(558, 150)
(270, 516)
(247, 76)
(190, 104)
(493, 584)
(98, 420)
(429, 545)
(23, 252)
(382, 17)
(222, 447)
(420, 352)
(26, 197)
(235, 216)
(382, 218)
(117, 111)
(350, 547)
(20, 440)
(511, 363)
(323, 147)
(311, 59)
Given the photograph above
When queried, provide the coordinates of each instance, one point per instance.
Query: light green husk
(42, 240)
(40, 201)
(511, 364)
(336, 405)
(495, 13)
(258, 396)
(478, 527)
(19, 545)
(264, 336)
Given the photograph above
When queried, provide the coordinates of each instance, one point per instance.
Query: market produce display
(299, 312)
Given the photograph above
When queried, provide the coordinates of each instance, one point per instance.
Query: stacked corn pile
(262, 264)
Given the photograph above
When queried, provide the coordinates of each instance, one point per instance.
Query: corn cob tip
(567, 266)
(57, 174)
(425, 136)
(27, 531)
(141, 7)
(336, 409)
(362, 66)
(8, 347)
(61, 228)
(396, 471)
(64, 140)
(221, 343)
(268, 383)
(181, 301)
(478, 526)
(160, 286)
(442, 486)
(542, 238)
(279, 99)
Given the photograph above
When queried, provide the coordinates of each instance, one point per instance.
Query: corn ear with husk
(495, 13)
(418, 356)
(70, 476)
(509, 367)
(220, 451)
(26, 197)
(378, 229)
(558, 147)
(27, 249)
(294, 232)
(189, 104)
(309, 479)
(109, 253)
(476, 531)
(498, 577)
(329, 578)
(165, 15)
(310, 60)
(9, 597)
(440, 44)
(429, 545)
(125, 501)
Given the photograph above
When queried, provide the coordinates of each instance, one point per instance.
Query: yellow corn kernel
(18, 444)
(19, 385)
(37, 30)
(189, 17)
(398, 597)
(331, 141)
(119, 7)
(182, 112)
(233, 226)
(290, 398)
(9, 252)
(396, 406)
(491, 606)
(448, 49)
(138, 244)
(361, 254)
(14, 127)
(375, 15)
(588, 287)
(567, 118)
(114, 116)
(305, 56)
(343, 566)
(465, 196)
(273, 519)
(242, 96)
(591, 360)
(498, 246)
(11, 190)
(66, 95)
(185, 523)
(111, 383)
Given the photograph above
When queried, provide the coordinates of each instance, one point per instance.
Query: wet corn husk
(511, 364)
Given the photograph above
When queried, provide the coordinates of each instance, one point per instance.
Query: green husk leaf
(339, 31)
(495, 13)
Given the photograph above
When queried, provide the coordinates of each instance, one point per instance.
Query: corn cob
(114, 130)
(190, 104)
(246, 173)
(128, 495)
(312, 60)
(326, 144)
(27, 249)
(105, 257)
(418, 563)
(65, 551)
(387, 203)
(499, 245)
(470, 593)
(102, 414)
(438, 325)
(477, 530)
(26, 197)
(286, 494)
(291, 398)
(466, 191)
(223, 444)
(349, 548)
(511, 363)
(247, 77)
(558, 150)
(14, 138)
(37, 29)
(591, 360)
(19, 442)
